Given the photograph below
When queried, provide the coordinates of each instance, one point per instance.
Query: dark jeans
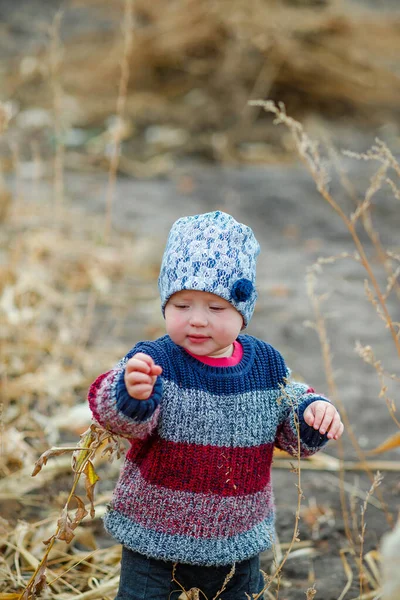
(145, 578)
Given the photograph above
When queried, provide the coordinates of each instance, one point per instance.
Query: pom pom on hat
(242, 290)
(212, 253)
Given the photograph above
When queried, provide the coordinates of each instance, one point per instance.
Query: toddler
(203, 407)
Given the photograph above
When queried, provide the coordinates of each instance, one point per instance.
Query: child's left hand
(325, 418)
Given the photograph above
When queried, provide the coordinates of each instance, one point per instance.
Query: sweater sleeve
(293, 402)
(115, 410)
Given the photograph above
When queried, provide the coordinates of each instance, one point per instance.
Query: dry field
(93, 103)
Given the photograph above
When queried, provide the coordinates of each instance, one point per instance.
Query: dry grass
(193, 66)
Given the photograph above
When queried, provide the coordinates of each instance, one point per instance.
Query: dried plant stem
(295, 536)
(379, 152)
(89, 445)
(307, 465)
(33, 562)
(366, 216)
(320, 328)
(187, 594)
(121, 102)
(348, 571)
(5, 116)
(55, 67)
(377, 481)
(367, 354)
(364, 261)
(226, 581)
(327, 360)
(17, 171)
(308, 153)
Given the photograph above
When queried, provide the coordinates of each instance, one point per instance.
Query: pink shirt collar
(226, 361)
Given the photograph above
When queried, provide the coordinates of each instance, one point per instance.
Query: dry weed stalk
(120, 112)
(5, 116)
(362, 573)
(371, 575)
(367, 354)
(385, 257)
(194, 593)
(82, 464)
(55, 60)
(295, 536)
(308, 152)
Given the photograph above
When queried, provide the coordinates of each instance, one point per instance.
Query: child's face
(202, 323)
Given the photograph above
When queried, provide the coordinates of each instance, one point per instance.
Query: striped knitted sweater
(196, 483)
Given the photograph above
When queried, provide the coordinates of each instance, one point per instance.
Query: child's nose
(198, 319)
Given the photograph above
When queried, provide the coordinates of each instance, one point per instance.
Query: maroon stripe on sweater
(92, 395)
(201, 469)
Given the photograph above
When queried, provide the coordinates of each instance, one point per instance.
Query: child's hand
(140, 376)
(324, 417)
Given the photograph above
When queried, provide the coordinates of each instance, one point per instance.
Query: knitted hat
(211, 253)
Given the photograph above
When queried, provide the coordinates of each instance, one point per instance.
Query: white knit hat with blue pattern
(211, 253)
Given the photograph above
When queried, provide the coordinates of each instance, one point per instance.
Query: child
(203, 408)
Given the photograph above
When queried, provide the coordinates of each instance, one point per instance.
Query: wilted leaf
(67, 525)
(65, 531)
(37, 585)
(87, 440)
(114, 448)
(81, 511)
(91, 440)
(49, 540)
(192, 594)
(91, 479)
(45, 457)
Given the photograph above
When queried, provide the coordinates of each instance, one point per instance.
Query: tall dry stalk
(308, 152)
(366, 220)
(295, 536)
(5, 116)
(117, 131)
(377, 481)
(55, 60)
(82, 464)
(376, 295)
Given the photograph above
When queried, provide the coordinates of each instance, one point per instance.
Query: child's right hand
(140, 376)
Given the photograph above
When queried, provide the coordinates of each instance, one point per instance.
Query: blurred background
(118, 117)
(191, 68)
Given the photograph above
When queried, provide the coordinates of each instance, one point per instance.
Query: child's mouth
(197, 339)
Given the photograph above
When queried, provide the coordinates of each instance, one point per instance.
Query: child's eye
(217, 308)
(181, 305)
